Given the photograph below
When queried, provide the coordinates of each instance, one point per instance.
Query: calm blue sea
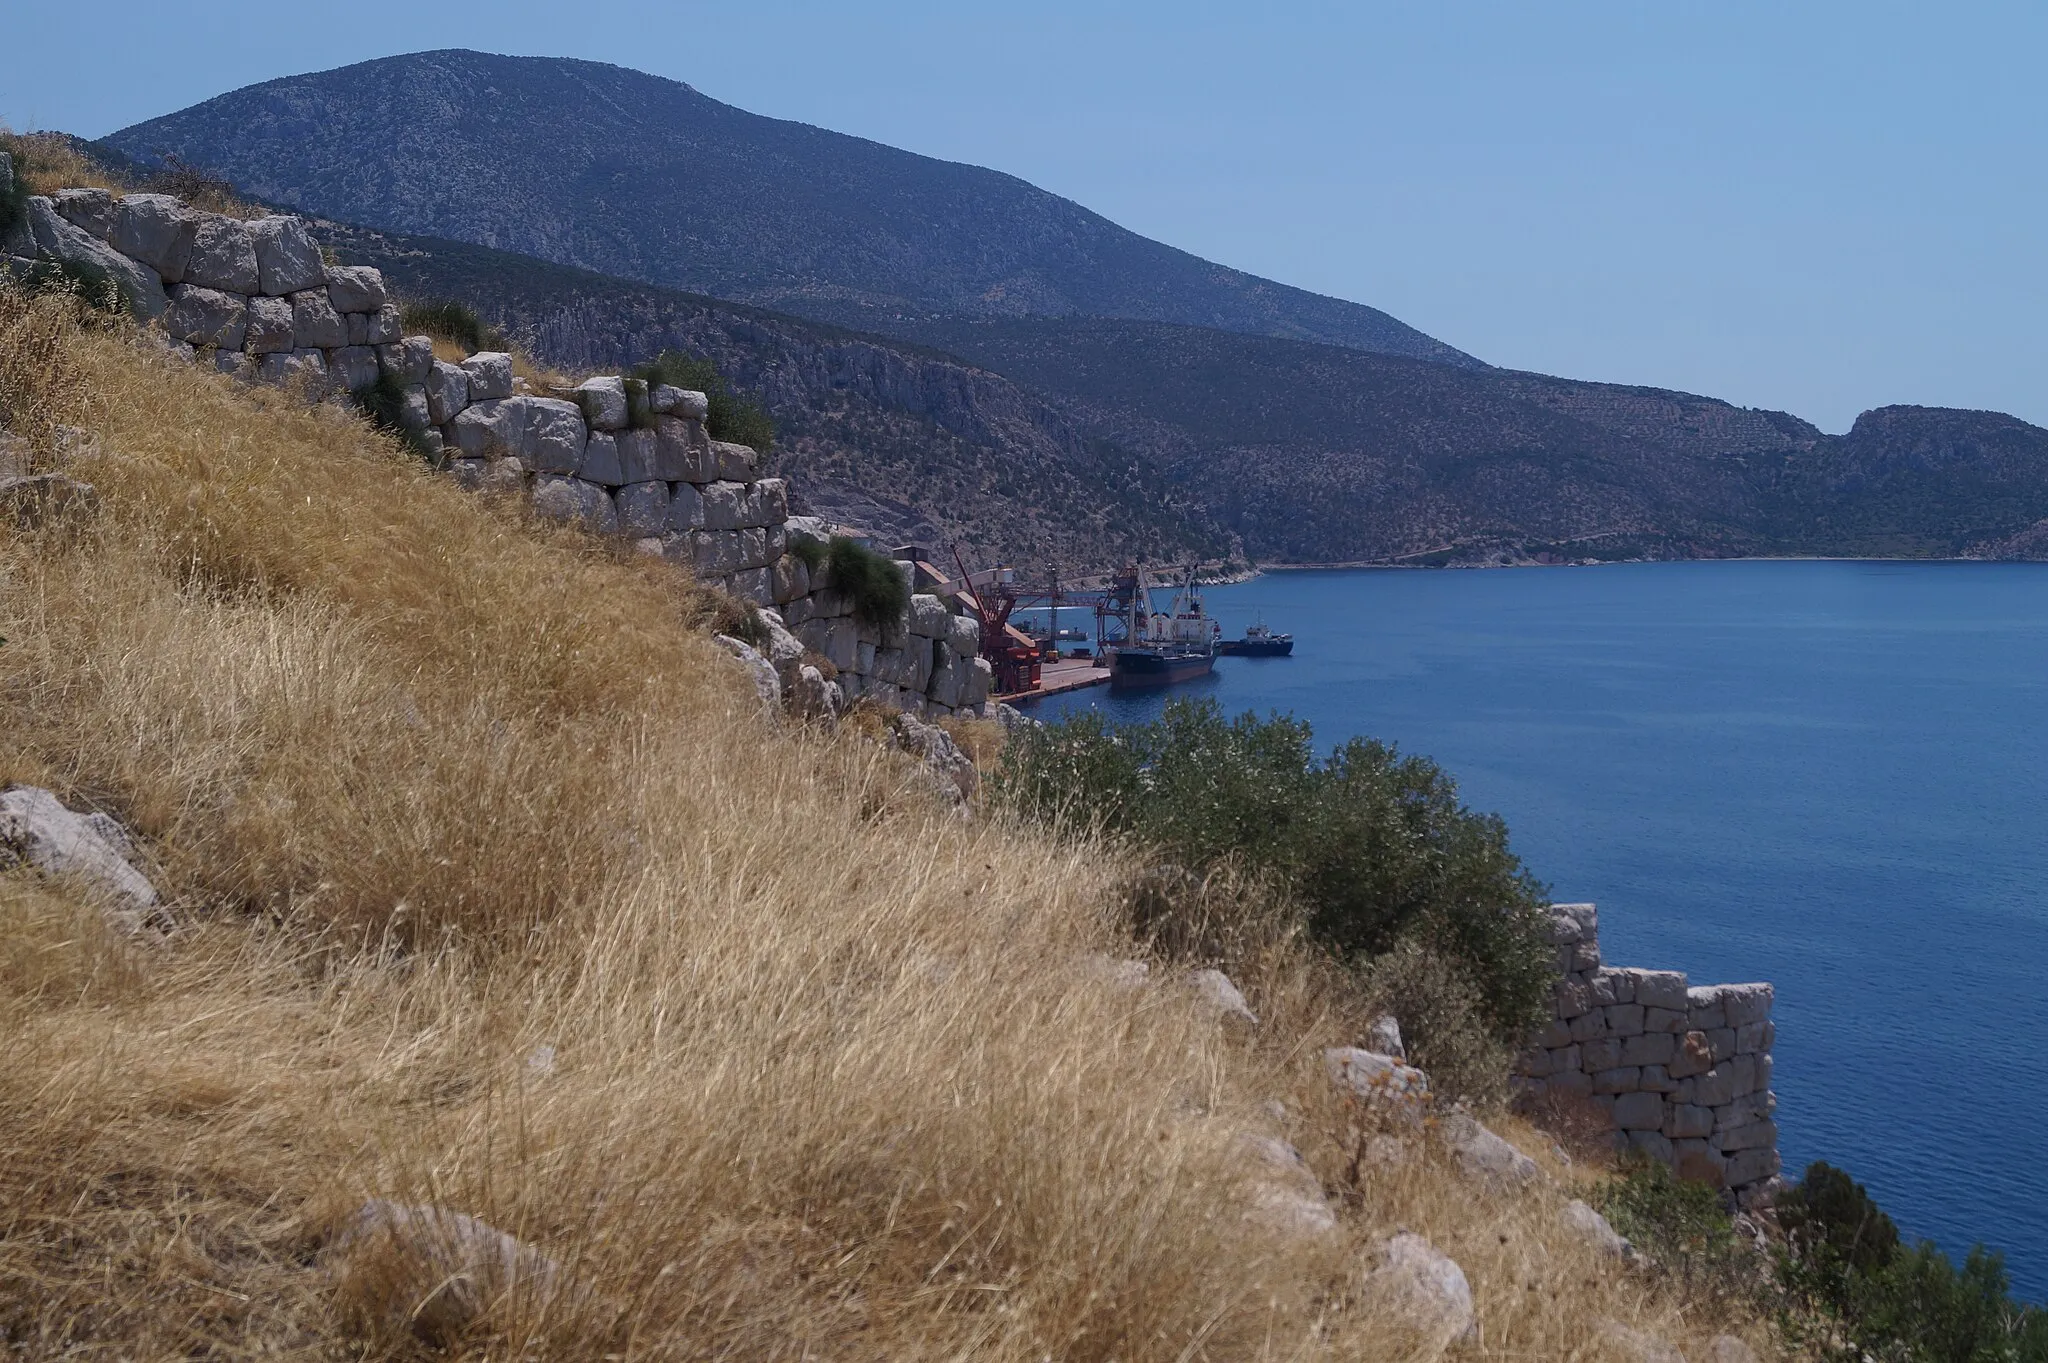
(1833, 776)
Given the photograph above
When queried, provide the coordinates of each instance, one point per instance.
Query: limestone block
(1763, 1072)
(1746, 1003)
(1378, 1079)
(356, 288)
(468, 473)
(381, 327)
(604, 403)
(307, 368)
(1564, 926)
(724, 505)
(93, 849)
(554, 436)
(1571, 1084)
(661, 398)
(1648, 1142)
(852, 686)
(223, 256)
(601, 463)
(736, 463)
(1656, 1079)
(60, 240)
(1574, 1000)
(832, 638)
(355, 367)
(1590, 1026)
(643, 508)
(1716, 1086)
(1703, 1005)
(1585, 956)
(1752, 1166)
(1626, 1079)
(410, 361)
(755, 584)
(269, 326)
(572, 500)
(797, 609)
(691, 404)
(240, 366)
(496, 426)
(1638, 1111)
(1693, 1056)
(948, 681)
(1747, 1136)
(774, 500)
(681, 452)
(1568, 1058)
(1553, 1034)
(1592, 1227)
(981, 676)
(755, 553)
(1424, 1288)
(315, 323)
(1651, 1048)
(686, 511)
(1607, 987)
(1624, 1019)
(963, 632)
(1672, 1020)
(1688, 1121)
(716, 553)
(1750, 1107)
(490, 375)
(447, 391)
(91, 211)
(1752, 1037)
(928, 618)
(287, 261)
(1699, 1162)
(200, 316)
(1586, 916)
(1533, 1063)
(1661, 989)
(1603, 1054)
(1483, 1156)
(639, 460)
(1721, 1043)
(157, 230)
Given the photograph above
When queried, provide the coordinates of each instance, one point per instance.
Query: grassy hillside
(494, 892)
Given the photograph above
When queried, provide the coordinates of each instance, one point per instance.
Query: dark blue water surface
(1833, 776)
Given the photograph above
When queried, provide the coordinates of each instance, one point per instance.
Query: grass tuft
(732, 416)
(869, 580)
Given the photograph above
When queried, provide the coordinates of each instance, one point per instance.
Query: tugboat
(1258, 642)
(1168, 647)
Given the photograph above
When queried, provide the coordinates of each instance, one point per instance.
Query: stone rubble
(440, 1270)
(92, 849)
(1423, 1284)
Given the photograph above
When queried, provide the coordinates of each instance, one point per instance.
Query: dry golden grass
(47, 163)
(431, 788)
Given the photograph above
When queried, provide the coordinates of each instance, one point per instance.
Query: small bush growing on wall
(732, 416)
(807, 548)
(448, 320)
(871, 581)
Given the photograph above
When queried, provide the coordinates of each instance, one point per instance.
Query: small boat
(1173, 646)
(1258, 642)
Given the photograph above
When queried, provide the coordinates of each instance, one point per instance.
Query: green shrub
(383, 402)
(1683, 1228)
(731, 416)
(871, 581)
(1373, 847)
(808, 548)
(1444, 1024)
(13, 194)
(451, 321)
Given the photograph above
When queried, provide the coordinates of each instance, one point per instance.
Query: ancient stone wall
(1679, 1072)
(256, 300)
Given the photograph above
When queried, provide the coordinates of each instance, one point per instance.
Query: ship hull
(1256, 648)
(1138, 667)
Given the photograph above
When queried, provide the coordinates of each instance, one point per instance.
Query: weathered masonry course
(1681, 1073)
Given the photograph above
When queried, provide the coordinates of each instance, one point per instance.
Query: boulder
(759, 671)
(436, 1271)
(490, 375)
(1221, 997)
(1424, 1286)
(157, 230)
(559, 498)
(223, 256)
(1379, 1080)
(315, 323)
(91, 211)
(61, 241)
(1623, 1345)
(935, 748)
(207, 317)
(496, 426)
(1384, 1036)
(409, 362)
(643, 508)
(447, 391)
(1483, 1156)
(554, 436)
(356, 288)
(604, 402)
(287, 261)
(1592, 1227)
(37, 829)
(270, 326)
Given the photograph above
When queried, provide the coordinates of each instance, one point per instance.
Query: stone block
(91, 211)
(381, 327)
(1608, 987)
(269, 326)
(1624, 1019)
(287, 261)
(963, 633)
(1656, 1079)
(716, 553)
(1698, 1162)
(447, 391)
(1747, 1136)
(755, 553)
(554, 436)
(1626, 1079)
(495, 426)
(690, 404)
(356, 288)
(1746, 1003)
(1693, 1056)
(1553, 1034)
(1721, 1043)
(409, 362)
(1563, 1058)
(928, 618)
(601, 463)
(315, 323)
(490, 375)
(1661, 989)
(724, 505)
(1750, 1107)
(1752, 1166)
(1603, 1054)
(1763, 1072)
(948, 681)
(60, 240)
(1590, 1026)
(754, 584)
(1715, 1087)
(773, 495)
(306, 369)
(1703, 1006)
(558, 498)
(981, 677)
(638, 457)
(1651, 1048)
(686, 511)
(835, 639)
(223, 256)
(1571, 1084)
(200, 316)
(643, 509)
(1564, 926)
(1574, 1000)
(1650, 1144)
(1637, 1111)
(1585, 956)
(604, 403)
(1689, 1121)
(736, 463)
(352, 367)
(661, 398)
(157, 230)
(1670, 1020)
(414, 416)
(1752, 1037)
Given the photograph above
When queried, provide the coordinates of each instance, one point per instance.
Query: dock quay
(1068, 674)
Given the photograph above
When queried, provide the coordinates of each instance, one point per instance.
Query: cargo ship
(1258, 642)
(1164, 647)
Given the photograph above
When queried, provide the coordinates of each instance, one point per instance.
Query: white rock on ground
(1215, 990)
(766, 684)
(936, 749)
(1625, 1345)
(1380, 1080)
(36, 828)
(1385, 1037)
(1582, 1220)
(1728, 1349)
(1485, 1156)
(1286, 1194)
(443, 1269)
(1423, 1284)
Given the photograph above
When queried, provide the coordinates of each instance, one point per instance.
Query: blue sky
(1821, 207)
